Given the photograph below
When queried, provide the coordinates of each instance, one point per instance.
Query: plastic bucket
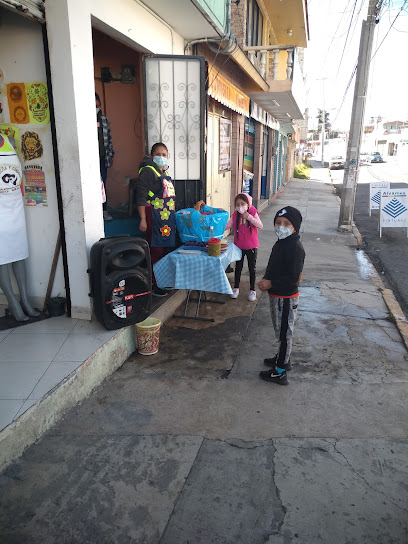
(214, 247)
(147, 336)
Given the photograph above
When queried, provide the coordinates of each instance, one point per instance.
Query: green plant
(302, 171)
(56, 300)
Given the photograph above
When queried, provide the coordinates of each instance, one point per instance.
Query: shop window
(225, 145)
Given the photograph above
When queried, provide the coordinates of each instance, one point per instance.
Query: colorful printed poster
(31, 146)
(35, 188)
(11, 133)
(38, 104)
(17, 101)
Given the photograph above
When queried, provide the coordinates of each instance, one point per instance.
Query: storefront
(26, 117)
(227, 108)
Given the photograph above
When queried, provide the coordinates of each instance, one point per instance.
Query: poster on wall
(225, 145)
(11, 133)
(38, 104)
(375, 194)
(35, 188)
(394, 209)
(17, 101)
(31, 146)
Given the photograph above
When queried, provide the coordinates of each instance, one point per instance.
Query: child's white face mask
(241, 209)
(283, 232)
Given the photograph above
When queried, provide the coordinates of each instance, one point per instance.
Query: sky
(330, 60)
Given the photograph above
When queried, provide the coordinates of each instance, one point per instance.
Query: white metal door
(30, 8)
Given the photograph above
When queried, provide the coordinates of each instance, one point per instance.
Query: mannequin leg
(20, 273)
(14, 305)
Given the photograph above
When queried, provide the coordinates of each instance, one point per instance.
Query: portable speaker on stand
(121, 281)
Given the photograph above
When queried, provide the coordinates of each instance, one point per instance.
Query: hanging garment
(13, 231)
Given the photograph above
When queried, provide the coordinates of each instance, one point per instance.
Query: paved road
(190, 446)
(389, 254)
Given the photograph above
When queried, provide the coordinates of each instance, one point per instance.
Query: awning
(34, 9)
(262, 116)
(226, 93)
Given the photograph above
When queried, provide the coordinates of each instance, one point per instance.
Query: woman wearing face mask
(156, 202)
(246, 221)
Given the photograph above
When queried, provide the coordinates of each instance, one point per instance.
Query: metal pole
(323, 134)
(351, 169)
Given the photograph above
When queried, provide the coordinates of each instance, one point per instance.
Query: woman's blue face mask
(160, 161)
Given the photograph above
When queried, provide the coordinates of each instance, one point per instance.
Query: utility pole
(351, 169)
(323, 133)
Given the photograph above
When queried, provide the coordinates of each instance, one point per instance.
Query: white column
(72, 71)
(263, 63)
(289, 67)
(275, 63)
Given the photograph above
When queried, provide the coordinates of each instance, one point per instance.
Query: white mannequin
(13, 235)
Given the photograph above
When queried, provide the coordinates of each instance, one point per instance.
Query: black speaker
(121, 280)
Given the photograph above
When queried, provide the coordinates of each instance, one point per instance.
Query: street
(189, 446)
(389, 254)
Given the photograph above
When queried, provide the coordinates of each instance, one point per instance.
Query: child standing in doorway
(245, 221)
(281, 280)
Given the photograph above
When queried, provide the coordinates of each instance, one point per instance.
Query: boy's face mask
(241, 209)
(283, 232)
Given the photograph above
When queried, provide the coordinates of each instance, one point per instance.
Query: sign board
(375, 194)
(394, 209)
(225, 145)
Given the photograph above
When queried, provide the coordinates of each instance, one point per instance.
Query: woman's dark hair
(97, 97)
(241, 196)
(159, 144)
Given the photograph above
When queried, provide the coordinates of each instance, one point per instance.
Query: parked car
(336, 162)
(365, 158)
(376, 157)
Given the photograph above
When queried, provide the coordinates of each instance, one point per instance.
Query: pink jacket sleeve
(255, 220)
(229, 223)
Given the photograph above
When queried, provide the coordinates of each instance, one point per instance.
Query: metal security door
(34, 9)
(174, 97)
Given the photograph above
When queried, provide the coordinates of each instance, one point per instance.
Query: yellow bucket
(147, 336)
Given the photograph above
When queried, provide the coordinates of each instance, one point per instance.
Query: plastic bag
(194, 226)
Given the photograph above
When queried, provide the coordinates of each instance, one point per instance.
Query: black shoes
(157, 292)
(272, 363)
(274, 377)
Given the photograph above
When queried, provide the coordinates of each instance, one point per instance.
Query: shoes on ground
(235, 293)
(252, 296)
(107, 216)
(157, 292)
(272, 363)
(274, 377)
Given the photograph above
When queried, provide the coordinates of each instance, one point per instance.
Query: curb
(388, 295)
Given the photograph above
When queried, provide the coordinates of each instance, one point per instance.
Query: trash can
(147, 336)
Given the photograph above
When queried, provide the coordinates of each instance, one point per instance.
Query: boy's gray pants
(283, 313)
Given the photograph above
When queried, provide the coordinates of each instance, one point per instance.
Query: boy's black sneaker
(272, 363)
(274, 377)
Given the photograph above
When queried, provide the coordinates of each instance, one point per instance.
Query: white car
(336, 162)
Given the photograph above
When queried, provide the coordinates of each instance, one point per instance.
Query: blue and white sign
(375, 194)
(394, 209)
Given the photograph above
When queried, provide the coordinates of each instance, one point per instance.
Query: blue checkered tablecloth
(197, 272)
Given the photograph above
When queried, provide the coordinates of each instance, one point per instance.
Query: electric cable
(388, 31)
(346, 40)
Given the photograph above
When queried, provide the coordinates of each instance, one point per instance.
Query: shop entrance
(118, 82)
(218, 180)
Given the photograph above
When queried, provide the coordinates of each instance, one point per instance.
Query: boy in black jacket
(281, 280)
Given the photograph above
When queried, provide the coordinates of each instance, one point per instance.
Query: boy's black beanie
(292, 214)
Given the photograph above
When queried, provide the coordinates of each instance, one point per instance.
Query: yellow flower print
(165, 214)
(171, 204)
(158, 203)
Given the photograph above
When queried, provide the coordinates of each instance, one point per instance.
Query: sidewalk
(191, 446)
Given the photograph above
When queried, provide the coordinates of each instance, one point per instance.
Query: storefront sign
(225, 145)
(262, 116)
(375, 194)
(223, 91)
(394, 209)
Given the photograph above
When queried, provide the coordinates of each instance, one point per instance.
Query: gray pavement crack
(364, 480)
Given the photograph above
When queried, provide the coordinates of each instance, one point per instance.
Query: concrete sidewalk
(190, 446)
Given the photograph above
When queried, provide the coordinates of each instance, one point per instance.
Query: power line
(348, 32)
(392, 24)
(353, 73)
